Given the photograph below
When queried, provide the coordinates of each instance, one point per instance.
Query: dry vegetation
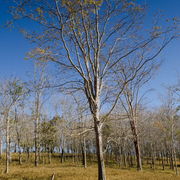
(69, 171)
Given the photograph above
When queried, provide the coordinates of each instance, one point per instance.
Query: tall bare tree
(87, 39)
(38, 81)
(131, 99)
(11, 91)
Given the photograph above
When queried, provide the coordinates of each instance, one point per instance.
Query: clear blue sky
(13, 48)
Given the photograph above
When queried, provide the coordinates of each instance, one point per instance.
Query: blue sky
(13, 49)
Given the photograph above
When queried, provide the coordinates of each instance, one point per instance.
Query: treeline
(71, 131)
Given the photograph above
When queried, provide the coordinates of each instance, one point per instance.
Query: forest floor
(75, 171)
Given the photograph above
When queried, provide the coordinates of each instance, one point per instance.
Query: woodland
(81, 113)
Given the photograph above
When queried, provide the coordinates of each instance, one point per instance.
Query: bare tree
(131, 99)
(11, 91)
(87, 39)
(37, 85)
(1, 132)
(171, 112)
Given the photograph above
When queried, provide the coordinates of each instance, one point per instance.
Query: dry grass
(70, 171)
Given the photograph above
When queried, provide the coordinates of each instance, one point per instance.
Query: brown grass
(70, 171)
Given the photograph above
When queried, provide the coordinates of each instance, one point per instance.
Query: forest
(81, 110)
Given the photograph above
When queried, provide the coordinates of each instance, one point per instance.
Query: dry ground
(70, 171)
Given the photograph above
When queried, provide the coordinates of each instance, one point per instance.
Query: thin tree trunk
(10, 159)
(7, 144)
(136, 144)
(142, 159)
(84, 152)
(19, 147)
(125, 164)
(1, 137)
(15, 149)
(119, 157)
(171, 162)
(101, 167)
(31, 155)
(1, 147)
(43, 153)
(131, 165)
(107, 155)
(162, 160)
(62, 155)
(73, 156)
(28, 151)
(175, 162)
(49, 154)
(90, 155)
(39, 153)
(154, 161)
(76, 155)
(36, 141)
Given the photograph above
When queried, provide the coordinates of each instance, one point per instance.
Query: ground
(75, 171)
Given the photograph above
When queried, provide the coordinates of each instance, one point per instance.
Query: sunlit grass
(69, 171)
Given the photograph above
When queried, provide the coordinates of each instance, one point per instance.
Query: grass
(70, 171)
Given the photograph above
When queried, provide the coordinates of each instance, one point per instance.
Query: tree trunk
(39, 153)
(49, 154)
(43, 153)
(1, 148)
(62, 155)
(162, 160)
(136, 144)
(10, 160)
(175, 161)
(7, 144)
(119, 159)
(131, 165)
(15, 149)
(28, 151)
(84, 153)
(101, 167)
(19, 147)
(90, 155)
(142, 159)
(1, 137)
(107, 155)
(76, 155)
(125, 164)
(36, 141)
(154, 160)
(138, 155)
(171, 162)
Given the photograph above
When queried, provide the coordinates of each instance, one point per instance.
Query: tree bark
(136, 144)
(101, 167)
(84, 153)
(1, 137)
(36, 141)
(62, 155)
(7, 144)
(162, 160)
(10, 160)
(19, 147)
(49, 154)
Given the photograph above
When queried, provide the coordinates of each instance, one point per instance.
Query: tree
(172, 118)
(131, 99)
(2, 129)
(11, 91)
(37, 85)
(48, 132)
(87, 39)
